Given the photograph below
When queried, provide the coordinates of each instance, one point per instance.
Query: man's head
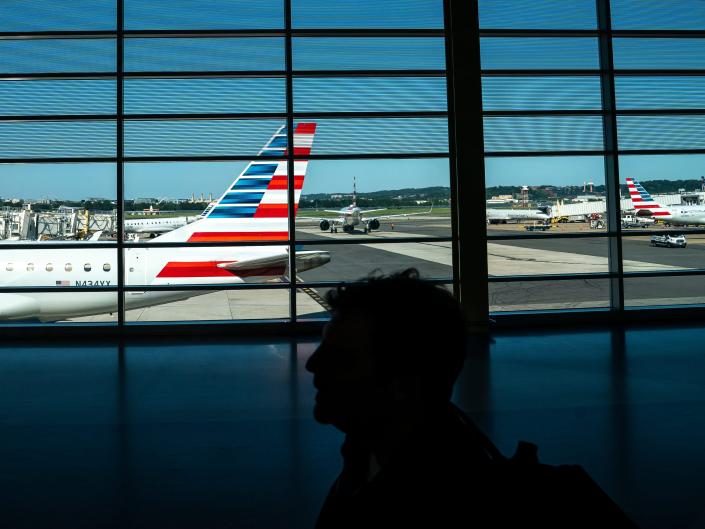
(392, 341)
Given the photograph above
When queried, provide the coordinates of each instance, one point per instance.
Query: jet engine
(324, 225)
(373, 224)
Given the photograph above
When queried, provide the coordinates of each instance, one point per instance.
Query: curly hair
(417, 328)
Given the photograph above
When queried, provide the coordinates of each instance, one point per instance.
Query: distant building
(145, 200)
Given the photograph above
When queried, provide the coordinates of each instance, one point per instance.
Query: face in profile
(350, 393)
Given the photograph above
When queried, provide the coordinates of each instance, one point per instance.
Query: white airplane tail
(254, 207)
(642, 201)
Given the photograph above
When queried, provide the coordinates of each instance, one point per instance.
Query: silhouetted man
(384, 374)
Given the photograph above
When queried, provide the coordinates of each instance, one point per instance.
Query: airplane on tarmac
(253, 208)
(501, 216)
(161, 224)
(352, 216)
(646, 206)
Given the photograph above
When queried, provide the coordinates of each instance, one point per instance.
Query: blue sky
(368, 94)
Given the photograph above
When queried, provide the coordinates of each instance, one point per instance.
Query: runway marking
(504, 259)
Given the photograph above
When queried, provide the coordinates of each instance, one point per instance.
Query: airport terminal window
(593, 153)
(223, 164)
(237, 162)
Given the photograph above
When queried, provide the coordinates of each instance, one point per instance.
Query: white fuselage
(685, 215)
(97, 267)
(157, 225)
(503, 215)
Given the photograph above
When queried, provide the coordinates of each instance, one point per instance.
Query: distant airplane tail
(642, 201)
(254, 207)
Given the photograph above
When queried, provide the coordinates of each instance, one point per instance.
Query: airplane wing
(259, 266)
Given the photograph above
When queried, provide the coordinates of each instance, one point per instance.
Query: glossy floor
(216, 435)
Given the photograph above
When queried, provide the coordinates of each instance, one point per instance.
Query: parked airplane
(352, 216)
(158, 224)
(253, 208)
(502, 216)
(646, 206)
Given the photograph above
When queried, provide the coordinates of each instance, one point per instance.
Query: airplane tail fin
(254, 207)
(642, 201)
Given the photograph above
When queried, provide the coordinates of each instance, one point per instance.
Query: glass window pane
(675, 14)
(208, 201)
(198, 137)
(661, 132)
(660, 92)
(191, 14)
(658, 53)
(410, 198)
(543, 133)
(548, 255)
(531, 53)
(369, 53)
(57, 96)
(541, 93)
(569, 190)
(181, 96)
(537, 14)
(57, 15)
(235, 304)
(379, 94)
(204, 54)
(653, 291)
(381, 135)
(399, 14)
(57, 139)
(57, 56)
(350, 262)
(549, 295)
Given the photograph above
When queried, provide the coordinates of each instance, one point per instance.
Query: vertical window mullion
(467, 158)
(612, 180)
(291, 194)
(119, 146)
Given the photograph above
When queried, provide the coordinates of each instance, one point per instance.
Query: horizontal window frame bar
(218, 74)
(626, 152)
(536, 236)
(597, 275)
(219, 116)
(552, 72)
(75, 245)
(222, 33)
(595, 112)
(614, 33)
(220, 158)
(552, 277)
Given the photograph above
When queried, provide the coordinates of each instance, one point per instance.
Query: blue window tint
(510, 53)
(661, 132)
(674, 14)
(167, 96)
(194, 14)
(198, 137)
(211, 54)
(658, 53)
(660, 92)
(541, 93)
(401, 14)
(58, 139)
(57, 15)
(339, 53)
(543, 133)
(537, 14)
(381, 135)
(57, 55)
(57, 96)
(380, 94)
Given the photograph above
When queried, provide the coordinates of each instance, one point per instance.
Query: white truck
(669, 241)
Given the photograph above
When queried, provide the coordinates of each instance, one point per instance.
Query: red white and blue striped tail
(642, 201)
(254, 207)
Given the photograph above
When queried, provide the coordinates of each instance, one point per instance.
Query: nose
(312, 362)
